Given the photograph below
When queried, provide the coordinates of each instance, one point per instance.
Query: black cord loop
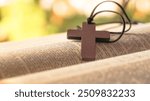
(90, 19)
(123, 22)
(93, 15)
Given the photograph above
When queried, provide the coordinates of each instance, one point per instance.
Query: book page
(53, 52)
(131, 68)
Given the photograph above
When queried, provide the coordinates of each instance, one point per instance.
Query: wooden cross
(88, 36)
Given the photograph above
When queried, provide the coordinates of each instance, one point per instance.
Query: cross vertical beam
(88, 44)
(88, 36)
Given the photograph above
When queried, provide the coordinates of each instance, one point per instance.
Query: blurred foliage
(24, 19)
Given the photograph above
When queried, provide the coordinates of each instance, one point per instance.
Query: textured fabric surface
(53, 52)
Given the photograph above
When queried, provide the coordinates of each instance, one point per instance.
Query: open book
(54, 59)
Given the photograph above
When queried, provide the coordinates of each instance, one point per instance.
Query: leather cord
(93, 15)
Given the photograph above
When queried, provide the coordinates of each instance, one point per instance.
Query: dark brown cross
(88, 36)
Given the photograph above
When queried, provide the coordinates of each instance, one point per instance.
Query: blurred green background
(23, 19)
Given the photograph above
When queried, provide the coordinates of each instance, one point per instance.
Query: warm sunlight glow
(60, 8)
(22, 19)
(46, 4)
(145, 7)
(4, 2)
(87, 6)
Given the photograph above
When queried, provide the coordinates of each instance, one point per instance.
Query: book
(55, 59)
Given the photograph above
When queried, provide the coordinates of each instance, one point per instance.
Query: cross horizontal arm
(74, 34)
(101, 36)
